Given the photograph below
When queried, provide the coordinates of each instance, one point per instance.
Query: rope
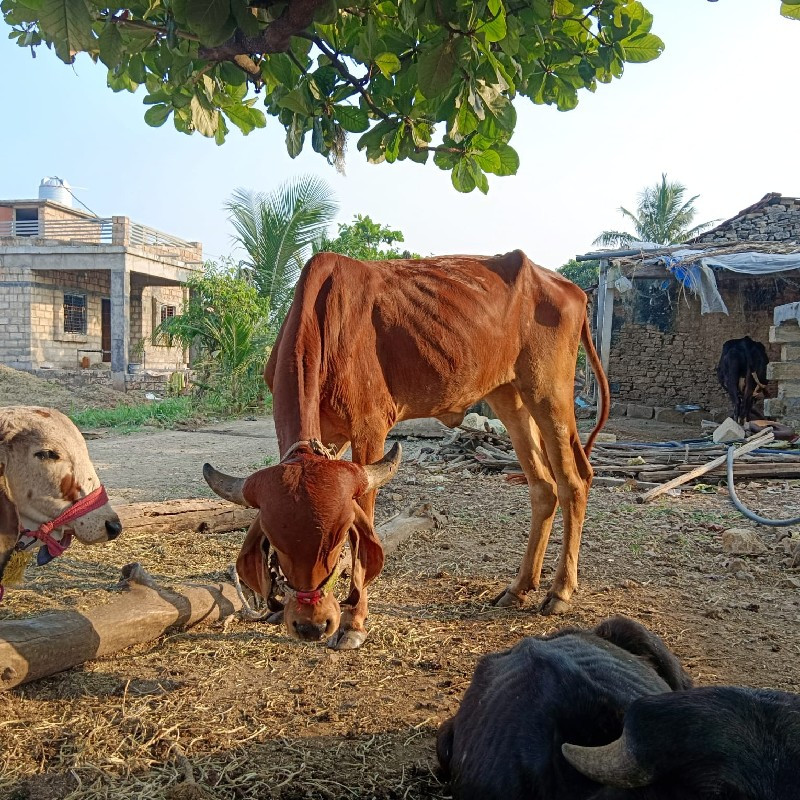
(773, 523)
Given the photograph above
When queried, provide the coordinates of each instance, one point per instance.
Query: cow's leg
(525, 437)
(352, 631)
(555, 416)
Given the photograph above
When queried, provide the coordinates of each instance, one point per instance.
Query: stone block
(695, 417)
(618, 410)
(775, 407)
(636, 411)
(790, 352)
(728, 431)
(786, 333)
(789, 389)
(783, 370)
(669, 415)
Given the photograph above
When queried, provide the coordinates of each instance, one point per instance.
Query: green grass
(163, 413)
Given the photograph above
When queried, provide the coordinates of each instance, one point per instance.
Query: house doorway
(105, 329)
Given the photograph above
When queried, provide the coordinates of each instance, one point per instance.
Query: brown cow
(367, 344)
(49, 489)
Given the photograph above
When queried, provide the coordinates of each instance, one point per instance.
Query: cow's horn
(226, 486)
(612, 764)
(384, 470)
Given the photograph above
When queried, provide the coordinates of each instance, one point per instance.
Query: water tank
(55, 189)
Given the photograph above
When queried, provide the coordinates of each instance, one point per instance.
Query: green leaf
(790, 10)
(210, 20)
(245, 19)
(136, 69)
(245, 119)
(157, 115)
(488, 160)
(387, 63)
(436, 70)
(297, 100)
(111, 45)
(494, 29)
(351, 118)
(68, 25)
(641, 48)
(294, 136)
(204, 119)
(509, 160)
(463, 177)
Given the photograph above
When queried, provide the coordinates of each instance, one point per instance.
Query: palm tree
(278, 231)
(662, 217)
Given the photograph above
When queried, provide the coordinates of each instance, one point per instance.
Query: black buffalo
(742, 373)
(592, 715)
(717, 743)
(504, 743)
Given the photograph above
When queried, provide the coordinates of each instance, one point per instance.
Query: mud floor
(240, 712)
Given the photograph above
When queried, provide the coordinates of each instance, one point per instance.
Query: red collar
(92, 501)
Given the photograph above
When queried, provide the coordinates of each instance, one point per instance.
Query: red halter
(94, 500)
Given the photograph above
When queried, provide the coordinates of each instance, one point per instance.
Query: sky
(718, 111)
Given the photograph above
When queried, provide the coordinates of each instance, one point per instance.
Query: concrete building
(80, 291)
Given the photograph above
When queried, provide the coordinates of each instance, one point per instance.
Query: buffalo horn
(611, 765)
(384, 470)
(226, 486)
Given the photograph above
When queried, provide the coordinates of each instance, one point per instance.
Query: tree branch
(340, 67)
(275, 38)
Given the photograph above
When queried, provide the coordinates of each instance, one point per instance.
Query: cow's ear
(369, 548)
(9, 526)
(252, 565)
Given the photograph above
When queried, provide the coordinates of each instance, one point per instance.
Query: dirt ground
(21, 388)
(241, 712)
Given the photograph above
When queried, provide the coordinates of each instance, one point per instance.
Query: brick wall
(146, 317)
(49, 343)
(15, 293)
(664, 352)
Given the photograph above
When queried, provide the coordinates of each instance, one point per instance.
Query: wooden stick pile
(482, 451)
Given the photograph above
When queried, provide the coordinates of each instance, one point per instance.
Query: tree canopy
(366, 240)
(415, 78)
(663, 216)
(583, 273)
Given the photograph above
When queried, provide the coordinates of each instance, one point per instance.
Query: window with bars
(167, 312)
(74, 313)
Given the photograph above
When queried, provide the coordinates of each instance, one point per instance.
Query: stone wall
(785, 371)
(772, 219)
(665, 353)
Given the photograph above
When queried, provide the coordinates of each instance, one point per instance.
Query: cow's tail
(604, 395)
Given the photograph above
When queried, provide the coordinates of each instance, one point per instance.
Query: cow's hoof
(554, 605)
(347, 639)
(509, 599)
(275, 618)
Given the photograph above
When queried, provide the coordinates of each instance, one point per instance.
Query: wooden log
(769, 469)
(54, 641)
(753, 443)
(47, 643)
(396, 530)
(179, 516)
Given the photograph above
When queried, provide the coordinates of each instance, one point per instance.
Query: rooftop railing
(101, 231)
(91, 231)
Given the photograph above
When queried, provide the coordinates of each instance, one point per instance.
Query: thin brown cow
(367, 344)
